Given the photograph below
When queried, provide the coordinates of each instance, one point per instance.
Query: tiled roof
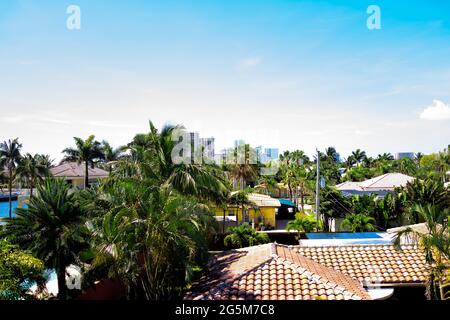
(75, 170)
(383, 264)
(262, 200)
(273, 272)
(386, 182)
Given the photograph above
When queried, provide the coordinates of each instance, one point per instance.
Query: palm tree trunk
(10, 193)
(62, 288)
(223, 225)
(86, 175)
(302, 199)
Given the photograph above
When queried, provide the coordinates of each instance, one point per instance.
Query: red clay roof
(382, 264)
(273, 272)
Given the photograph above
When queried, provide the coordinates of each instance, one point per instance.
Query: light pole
(318, 186)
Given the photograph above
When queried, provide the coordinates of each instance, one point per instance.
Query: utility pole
(318, 186)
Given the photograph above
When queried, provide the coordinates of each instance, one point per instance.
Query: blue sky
(288, 74)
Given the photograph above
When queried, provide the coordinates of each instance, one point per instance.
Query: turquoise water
(344, 235)
(4, 209)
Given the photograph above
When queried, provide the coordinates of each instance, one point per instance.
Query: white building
(380, 185)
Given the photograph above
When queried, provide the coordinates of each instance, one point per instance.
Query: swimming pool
(344, 235)
(4, 208)
(346, 238)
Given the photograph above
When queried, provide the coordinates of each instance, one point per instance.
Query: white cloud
(438, 111)
(13, 119)
(108, 124)
(249, 62)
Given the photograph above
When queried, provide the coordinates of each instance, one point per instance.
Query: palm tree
(435, 243)
(385, 157)
(424, 192)
(359, 156)
(240, 199)
(10, 157)
(244, 236)
(51, 228)
(151, 240)
(358, 223)
(350, 162)
(242, 173)
(33, 170)
(88, 151)
(151, 160)
(302, 224)
(111, 155)
(332, 155)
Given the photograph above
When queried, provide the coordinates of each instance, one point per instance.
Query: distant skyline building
(271, 153)
(202, 144)
(208, 145)
(404, 155)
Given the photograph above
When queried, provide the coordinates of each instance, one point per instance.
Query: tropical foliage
(51, 228)
(302, 224)
(87, 151)
(19, 270)
(436, 245)
(9, 158)
(358, 223)
(243, 236)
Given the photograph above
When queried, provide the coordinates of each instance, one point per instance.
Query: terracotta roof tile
(382, 264)
(273, 272)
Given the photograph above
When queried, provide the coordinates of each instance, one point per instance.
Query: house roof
(380, 263)
(75, 170)
(385, 182)
(419, 227)
(262, 200)
(273, 272)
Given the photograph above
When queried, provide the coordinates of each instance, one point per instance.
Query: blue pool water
(4, 208)
(344, 235)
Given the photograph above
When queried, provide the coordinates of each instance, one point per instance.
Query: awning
(287, 202)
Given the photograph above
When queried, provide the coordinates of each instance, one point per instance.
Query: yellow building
(264, 212)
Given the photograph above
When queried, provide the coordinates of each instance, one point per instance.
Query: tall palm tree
(111, 155)
(435, 243)
(51, 228)
(359, 156)
(9, 158)
(299, 157)
(88, 151)
(332, 155)
(150, 161)
(33, 170)
(385, 157)
(242, 173)
(350, 162)
(240, 199)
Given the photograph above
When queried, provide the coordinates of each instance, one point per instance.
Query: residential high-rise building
(271, 153)
(208, 147)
